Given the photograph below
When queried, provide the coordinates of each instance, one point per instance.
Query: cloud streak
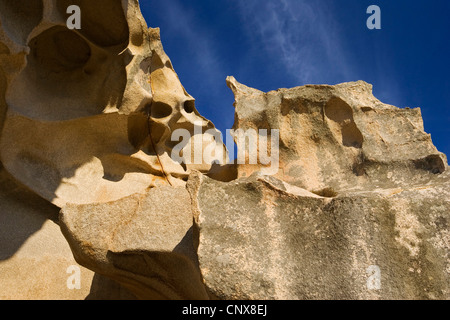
(302, 34)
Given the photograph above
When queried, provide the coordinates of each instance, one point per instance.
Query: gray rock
(261, 238)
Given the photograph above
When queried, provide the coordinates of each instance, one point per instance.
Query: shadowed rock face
(35, 256)
(357, 209)
(144, 242)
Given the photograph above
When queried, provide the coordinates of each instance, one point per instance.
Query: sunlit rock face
(358, 209)
(78, 107)
(339, 137)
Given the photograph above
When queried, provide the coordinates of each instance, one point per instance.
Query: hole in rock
(157, 62)
(59, 50)
(326, 192)
(351, 136)
(366, 109)
(189, 106)
(342, 122)
(137, 39)
(137, 129)
(159, 110)
(358, 169)
(338, 110)
(433, 163)
(66, 78)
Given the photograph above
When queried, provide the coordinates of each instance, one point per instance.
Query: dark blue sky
(271, 44)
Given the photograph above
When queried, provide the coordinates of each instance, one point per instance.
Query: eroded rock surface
(339, 137)
(361, 192)
(86, 117)
(35, 256)
(358, 207)
(79, 106)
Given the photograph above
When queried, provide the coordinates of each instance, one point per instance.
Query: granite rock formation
(79, 106)
(358, 207)
(86, 117)
(339, 137)
(360, 187)
(299, 234)
(261, 238)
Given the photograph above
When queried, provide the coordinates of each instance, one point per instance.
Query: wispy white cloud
(302, 34)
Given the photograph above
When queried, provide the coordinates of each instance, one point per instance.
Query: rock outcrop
(261, 238)
(144, 242)
(354, 203)
(360, 189)
(86, 117)
(82, 104)
(305, 234)
(339, 137)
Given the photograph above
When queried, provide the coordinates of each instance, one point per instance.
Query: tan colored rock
(339, 137)
(261, 238)
(82, 104)
(358, 209)
(86, 117)
(34, 255)
(144, 242)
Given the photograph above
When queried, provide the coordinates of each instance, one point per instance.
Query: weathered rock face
(361, 195)
(339, 137)
(86, 116)
(82, 104)
(261, 238)
(358, 207)
(144, 242)
(34, 256)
